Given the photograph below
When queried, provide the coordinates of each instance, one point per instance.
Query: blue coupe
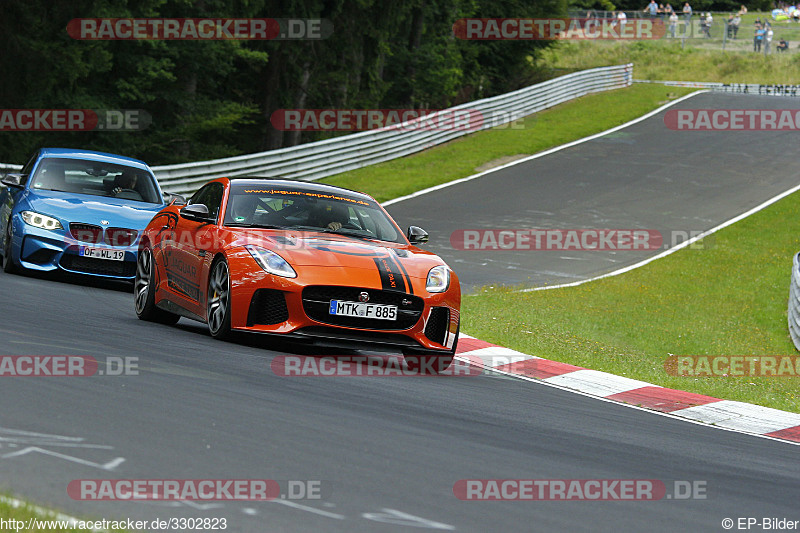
(77, 211)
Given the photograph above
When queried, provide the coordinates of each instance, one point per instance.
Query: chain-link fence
(756, 32)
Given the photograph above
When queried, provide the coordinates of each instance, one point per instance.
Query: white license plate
(363, 310)
(102, 253)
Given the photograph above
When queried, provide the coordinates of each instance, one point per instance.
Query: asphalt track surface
(645, 176)
(389, 450)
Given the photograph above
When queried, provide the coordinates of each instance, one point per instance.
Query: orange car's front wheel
(218, 307)
(144, 291)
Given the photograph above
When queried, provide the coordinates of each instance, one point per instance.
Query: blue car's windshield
(84, 176)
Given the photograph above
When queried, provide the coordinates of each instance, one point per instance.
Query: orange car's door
(186, 251)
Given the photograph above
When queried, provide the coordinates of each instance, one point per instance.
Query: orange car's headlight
(271, 262)
(438, 279)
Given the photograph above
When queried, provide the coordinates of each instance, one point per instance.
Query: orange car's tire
(218, 300)
(144, 292)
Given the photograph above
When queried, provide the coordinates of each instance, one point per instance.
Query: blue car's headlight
(38, 220)
(438, 279)
(271, 262)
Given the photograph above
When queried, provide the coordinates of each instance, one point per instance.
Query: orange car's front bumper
(296, 308)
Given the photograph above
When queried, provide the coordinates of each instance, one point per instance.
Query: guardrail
(761, 89)
(319, 159)
(794, 302)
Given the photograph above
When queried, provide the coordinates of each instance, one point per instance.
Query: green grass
(699, 60)
(26, 512)
(462, 157)
(727, 299)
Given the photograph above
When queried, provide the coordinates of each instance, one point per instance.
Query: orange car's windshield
(309, 210)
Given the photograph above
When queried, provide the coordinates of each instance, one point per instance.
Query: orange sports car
(306, 261)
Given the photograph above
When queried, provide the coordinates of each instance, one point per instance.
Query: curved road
(389, 450)
(645, 176)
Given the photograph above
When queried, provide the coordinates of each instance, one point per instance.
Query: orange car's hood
(307, 248)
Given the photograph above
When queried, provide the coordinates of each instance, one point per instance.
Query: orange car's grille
(317, 299)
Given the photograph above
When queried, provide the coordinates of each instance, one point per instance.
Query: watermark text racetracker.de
(397, 119)
(371, 366)
(732, 119)
(74, 119)
(497, 29)
(198, 489)
(589, 239)
(66, 366)
(732, 366)
(199, 29)
(578, 490)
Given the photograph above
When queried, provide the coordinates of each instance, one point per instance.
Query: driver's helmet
(243, 207)
(327, 212)
(126, 180)
(53, 177)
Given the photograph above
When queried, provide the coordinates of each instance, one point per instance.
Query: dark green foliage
(213, 99)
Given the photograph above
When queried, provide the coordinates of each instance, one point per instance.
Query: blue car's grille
(121, 236)
(89, 233)
(86, 232)
(101, 267)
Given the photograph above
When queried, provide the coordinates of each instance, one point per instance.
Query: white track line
(674, 249)
(546, 152)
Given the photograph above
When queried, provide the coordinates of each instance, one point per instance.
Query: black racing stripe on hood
(405, 274)
(391, 277)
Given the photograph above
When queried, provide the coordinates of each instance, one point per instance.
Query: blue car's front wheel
(8, 261)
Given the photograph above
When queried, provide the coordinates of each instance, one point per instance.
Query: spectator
(767, 37)
(652, 8)
(622, 18)
(673, 23)
(668, 10)
(706, 24)
(736, 21)
(758, 38)
(729, 26)
(782, 45)
(742, 10)
(687, 11)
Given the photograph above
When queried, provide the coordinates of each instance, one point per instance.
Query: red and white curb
(726, 414)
